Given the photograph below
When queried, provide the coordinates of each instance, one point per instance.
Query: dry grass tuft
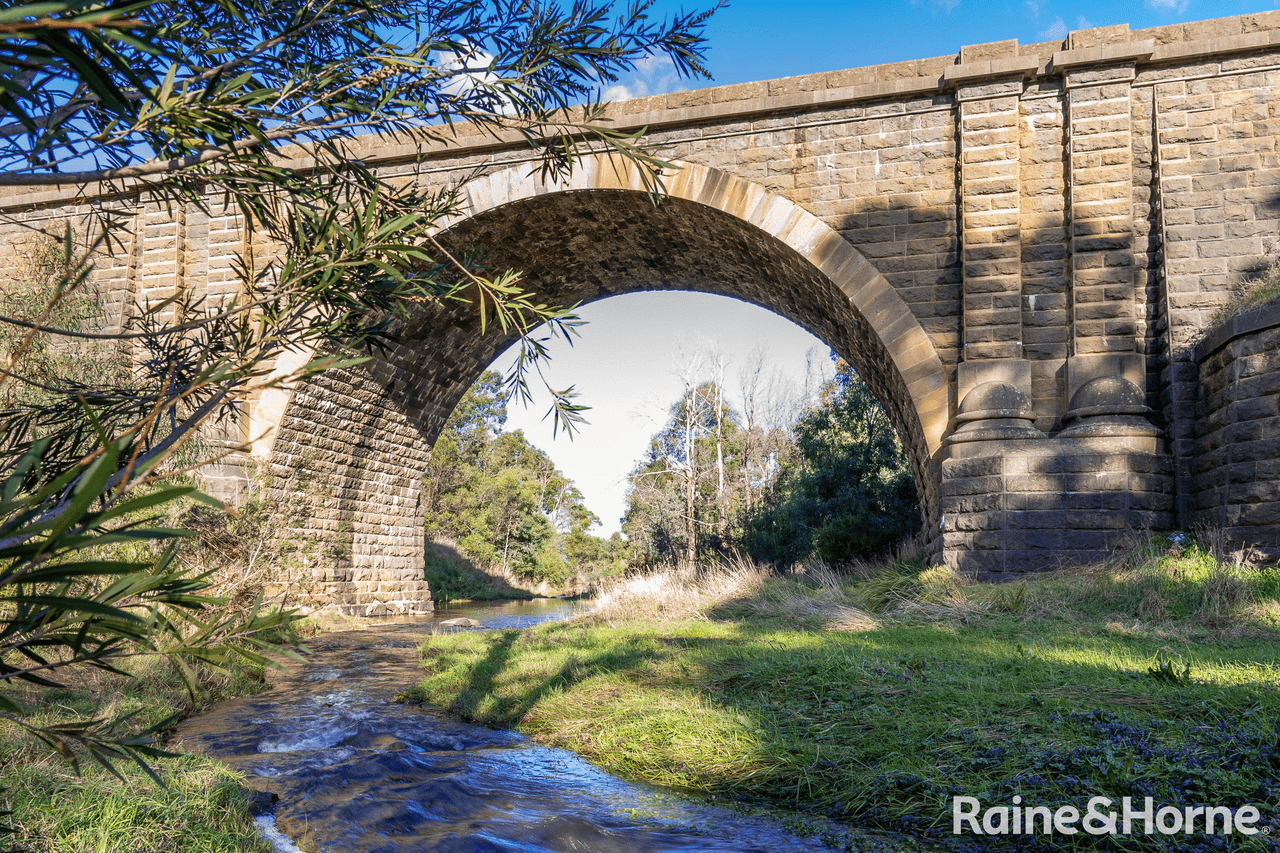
(1263, 289)
(1155, 585)
(814, 591)
(678, 592)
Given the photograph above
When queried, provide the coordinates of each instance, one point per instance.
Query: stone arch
(364, 434)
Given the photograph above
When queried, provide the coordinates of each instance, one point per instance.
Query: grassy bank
(201, 805)
(877, 699)
(454, 578)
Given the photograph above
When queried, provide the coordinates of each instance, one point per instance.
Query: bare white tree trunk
(719, 406)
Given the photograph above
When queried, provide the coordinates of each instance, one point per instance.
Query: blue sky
(755, 40)
(627, 360)
(762, 39)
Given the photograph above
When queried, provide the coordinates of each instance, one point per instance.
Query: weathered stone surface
(1039, 215)
(1236, 473)
(1062, 501)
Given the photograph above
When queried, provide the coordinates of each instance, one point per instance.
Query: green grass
(1255, 293)
(200, 807)
(1058, 688)
(454, 578)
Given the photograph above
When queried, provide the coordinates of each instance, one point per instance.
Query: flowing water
(345, 767)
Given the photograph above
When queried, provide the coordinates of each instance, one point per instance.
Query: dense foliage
(846, 491)
(835, 485)
(504, 504)
(48, 361)
(195, 105)
(686, 493)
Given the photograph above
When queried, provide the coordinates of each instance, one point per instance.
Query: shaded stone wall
(1236, 471)
(1025, 506)
(1217, 181)
(351, 460)
(1039, 216)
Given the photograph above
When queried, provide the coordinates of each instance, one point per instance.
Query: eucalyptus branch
(179, 103)
(143, 170)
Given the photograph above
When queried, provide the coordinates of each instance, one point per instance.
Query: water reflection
(515, 614)
(355, 770)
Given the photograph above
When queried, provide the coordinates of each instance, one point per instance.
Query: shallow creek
(355, 770)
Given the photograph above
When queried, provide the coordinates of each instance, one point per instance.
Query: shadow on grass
(888, 725)
(452, 577)
(884, 727)
(487, 696)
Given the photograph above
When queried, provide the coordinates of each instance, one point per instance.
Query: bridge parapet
(1042, 216)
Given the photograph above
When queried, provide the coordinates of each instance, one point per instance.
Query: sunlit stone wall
(1040, 216)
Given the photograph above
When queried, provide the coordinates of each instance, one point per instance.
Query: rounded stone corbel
(1108, 406)
(994, 411)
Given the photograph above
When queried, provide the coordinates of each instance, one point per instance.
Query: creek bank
(1157, 679)
(201, 804)
(348, 765)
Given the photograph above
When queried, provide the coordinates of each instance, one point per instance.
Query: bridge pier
(1018, 246)
(1015, 500)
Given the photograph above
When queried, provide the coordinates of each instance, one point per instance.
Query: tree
(502, 500)
(244, 105)
(847, 491)
(775, 481)
(682, 498)
(481, 413)
(43, 359)
(190, 103)
(770, 406)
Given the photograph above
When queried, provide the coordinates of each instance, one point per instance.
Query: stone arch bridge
(1016, 245)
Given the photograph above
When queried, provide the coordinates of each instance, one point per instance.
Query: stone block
(977, 564)
(973, 503)
(1052, 501)
(1082, 368)
(975, 521)
(1266, 514)
(1014, 371)
(983, 466)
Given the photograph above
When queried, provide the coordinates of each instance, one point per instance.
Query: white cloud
(1033, 6)
(1172, 7)
(1056, 30)
(653, 75)
(944, 5)
(653, 64)
(618, 92)
(1059, 29)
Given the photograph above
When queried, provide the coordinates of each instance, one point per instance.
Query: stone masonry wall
(347, 467)
(1019, 506)
(1237, 451)
(1049, 213)
(1217, 174)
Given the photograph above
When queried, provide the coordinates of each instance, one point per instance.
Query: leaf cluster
(244, 109)
(251, 106)
(836, 485)
(68, 600)
(144, 88)
(847, 492)
(688, 485)
(502, 500)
